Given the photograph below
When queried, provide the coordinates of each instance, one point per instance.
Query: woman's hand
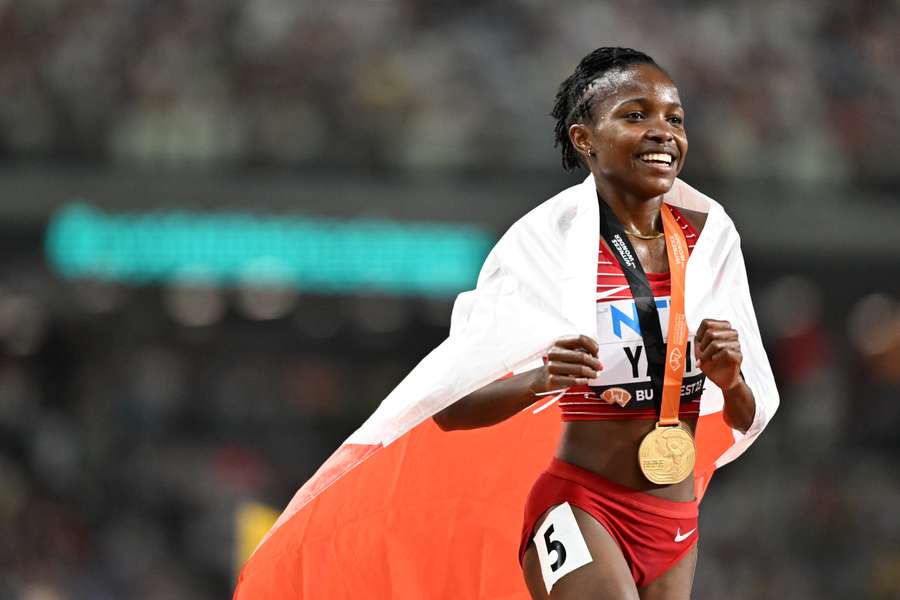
(570, 361)
(718, 353)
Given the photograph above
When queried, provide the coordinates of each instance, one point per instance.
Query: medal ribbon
(666, 361)
(677, 251)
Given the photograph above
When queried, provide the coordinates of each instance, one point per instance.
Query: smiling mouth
(661, 159)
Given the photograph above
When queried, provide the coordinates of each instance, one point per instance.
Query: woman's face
(636, 134)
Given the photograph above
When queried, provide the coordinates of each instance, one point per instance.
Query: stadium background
(141, 407)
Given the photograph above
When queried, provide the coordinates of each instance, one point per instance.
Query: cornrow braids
(573, 102)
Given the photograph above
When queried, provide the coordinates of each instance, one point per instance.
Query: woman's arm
(570, 361)
(718, 351)
(740, 406)
(492, 404)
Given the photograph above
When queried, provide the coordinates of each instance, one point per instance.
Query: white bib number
(560, 546)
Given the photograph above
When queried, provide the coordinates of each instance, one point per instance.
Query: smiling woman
(615, 514)
(625, 300)
(639, 122)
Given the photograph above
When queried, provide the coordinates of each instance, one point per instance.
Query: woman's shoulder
(553, 214)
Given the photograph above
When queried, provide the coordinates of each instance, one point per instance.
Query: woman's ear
(580, 138)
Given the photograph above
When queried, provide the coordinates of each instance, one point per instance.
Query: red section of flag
(713, 437)
(433, 515)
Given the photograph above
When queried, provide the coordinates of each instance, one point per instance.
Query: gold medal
(667, 454)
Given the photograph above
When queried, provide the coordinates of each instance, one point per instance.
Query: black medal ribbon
(648, 315)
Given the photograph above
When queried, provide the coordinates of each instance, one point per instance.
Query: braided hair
(574, 105)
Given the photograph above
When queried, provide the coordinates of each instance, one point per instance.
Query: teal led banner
(312, 254)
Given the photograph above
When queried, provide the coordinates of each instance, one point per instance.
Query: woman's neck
(636, 214)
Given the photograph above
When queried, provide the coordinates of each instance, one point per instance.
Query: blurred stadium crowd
(135, 420)
(794, 91)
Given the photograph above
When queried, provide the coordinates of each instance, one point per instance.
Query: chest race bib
(625, 378)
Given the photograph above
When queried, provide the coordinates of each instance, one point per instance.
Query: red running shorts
(653, 533)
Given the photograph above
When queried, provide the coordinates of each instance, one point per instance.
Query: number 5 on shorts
(560, 546)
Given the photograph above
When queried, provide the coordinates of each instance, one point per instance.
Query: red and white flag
(404, 510)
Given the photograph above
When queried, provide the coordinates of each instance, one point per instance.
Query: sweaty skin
(638, 111)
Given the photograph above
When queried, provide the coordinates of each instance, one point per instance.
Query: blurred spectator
(792, 92)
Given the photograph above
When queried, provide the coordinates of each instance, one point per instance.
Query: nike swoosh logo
(612, 292)
(679, 537)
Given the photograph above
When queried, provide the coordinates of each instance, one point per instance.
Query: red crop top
(623, 389)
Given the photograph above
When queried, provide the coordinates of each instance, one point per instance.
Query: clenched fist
(570, 361)
(718, 352)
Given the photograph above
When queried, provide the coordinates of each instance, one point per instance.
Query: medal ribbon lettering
(666, 454)
(677, 251)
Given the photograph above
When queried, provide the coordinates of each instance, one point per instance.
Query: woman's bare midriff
(610, 449)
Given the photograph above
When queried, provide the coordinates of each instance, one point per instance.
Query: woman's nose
(658, 134)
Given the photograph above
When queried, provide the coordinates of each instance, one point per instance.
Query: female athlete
(620, 116)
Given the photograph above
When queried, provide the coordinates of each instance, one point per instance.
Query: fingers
(572, 361)
(556, 382)
(561, 355)
(717, 341)
(710, 331)
(707, 325)
(718, 350)
(579, 341)
(713, 336)
(733, 355)
(564, 368)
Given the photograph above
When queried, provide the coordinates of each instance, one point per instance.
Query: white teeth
(657, 157)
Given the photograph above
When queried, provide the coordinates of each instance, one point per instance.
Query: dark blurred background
(142, 406)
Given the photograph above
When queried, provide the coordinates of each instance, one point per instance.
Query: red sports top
(623, 389)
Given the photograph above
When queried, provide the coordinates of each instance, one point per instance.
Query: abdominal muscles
(610, 449)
